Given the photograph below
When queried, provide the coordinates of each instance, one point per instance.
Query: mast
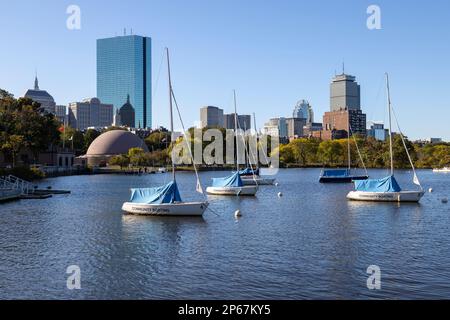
(171, 112)
(257, 141)
(348, 141)
(235, 131)
(390, 124)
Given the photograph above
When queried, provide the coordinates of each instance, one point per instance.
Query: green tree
(120, 160)
(13, 144)
(24, 117)
(89, 136)
(158, 140)
(400, 156)
(137, 157)
(330, 152)
(287, 154)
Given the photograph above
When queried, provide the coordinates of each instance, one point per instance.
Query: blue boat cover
(336, 173)
(388, 184)
(232, 181)
(249, 171)
(165, 194)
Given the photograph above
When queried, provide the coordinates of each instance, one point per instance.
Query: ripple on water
(311, 243)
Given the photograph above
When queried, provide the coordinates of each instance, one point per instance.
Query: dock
(7, 194)
(14, 188)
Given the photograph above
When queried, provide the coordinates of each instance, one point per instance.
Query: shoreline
(135, 171)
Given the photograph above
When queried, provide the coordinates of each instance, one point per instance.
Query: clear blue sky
(272, 52)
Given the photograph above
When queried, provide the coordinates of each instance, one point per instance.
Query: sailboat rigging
(233, 185)
(344, 175)
(387, 189)
(165, 200)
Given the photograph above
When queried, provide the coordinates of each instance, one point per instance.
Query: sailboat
(252, 176)
(387, 189)
(233, 185)
(343, 175)
(165, 200)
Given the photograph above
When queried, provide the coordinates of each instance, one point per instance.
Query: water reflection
(311, 243)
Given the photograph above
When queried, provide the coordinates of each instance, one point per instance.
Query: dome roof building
(113, 143)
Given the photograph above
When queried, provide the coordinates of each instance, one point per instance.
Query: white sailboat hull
(250, 181)
(169, 209)
(445, 170)
(233, 191)
(402, 196)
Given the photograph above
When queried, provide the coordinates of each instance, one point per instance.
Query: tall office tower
(304, 110)
(244, 121)
(295, 127)
(276, 127)
(41, 96)
(211, 117)
(345, 93)
(345, 109)
(124, 68)
(61, 113)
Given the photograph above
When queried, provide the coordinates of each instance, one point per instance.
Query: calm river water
(311, 243)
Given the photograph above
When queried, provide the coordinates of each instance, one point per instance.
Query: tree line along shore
(24, 126)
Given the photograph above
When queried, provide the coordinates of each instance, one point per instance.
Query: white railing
(15, 183)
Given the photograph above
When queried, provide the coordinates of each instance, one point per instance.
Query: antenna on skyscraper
(343, 66)
(131, 31)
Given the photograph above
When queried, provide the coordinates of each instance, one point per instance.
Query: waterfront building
(244, 121)
(434, 140)
(304, 110)
(345, 93)
(377, 131)
(338, 121)
(112, 143)
(127, 114)
(295, 127)
(276, 127)
(124, 68)
(310, 128)
(41, 96)
(211, 116)
(90, 113)
(345, 109)
(61, 113)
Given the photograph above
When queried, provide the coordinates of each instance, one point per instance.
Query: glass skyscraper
(124, 68)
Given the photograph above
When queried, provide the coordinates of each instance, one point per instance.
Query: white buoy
(238, 214)
(444, 200)
(276, 184)
(280, 194)
(430, 190)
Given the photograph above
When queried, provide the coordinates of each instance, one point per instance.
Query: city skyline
(210, 60)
